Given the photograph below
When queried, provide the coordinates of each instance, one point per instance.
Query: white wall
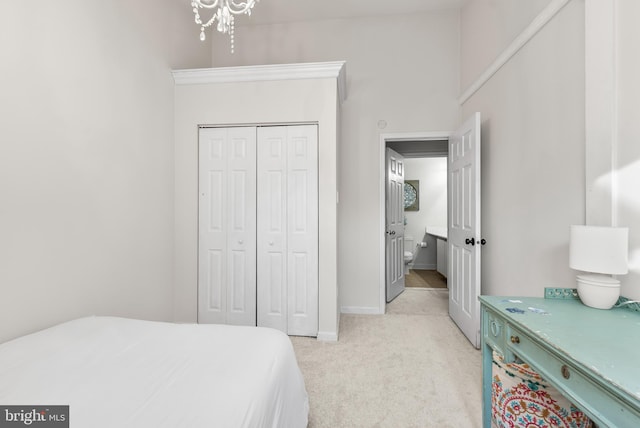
(550, 74)
(432, 173)
(86, 160)
(533, 154)
(627, 196)
(402, 69)
(86, 155)
(490, 26)
(264, 102)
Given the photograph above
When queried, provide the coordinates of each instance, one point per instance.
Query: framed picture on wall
(412, 195)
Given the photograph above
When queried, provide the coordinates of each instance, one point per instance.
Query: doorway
(409, 145)
(425, 221)
(463, 218)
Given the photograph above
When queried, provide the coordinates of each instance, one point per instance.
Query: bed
(118, 372)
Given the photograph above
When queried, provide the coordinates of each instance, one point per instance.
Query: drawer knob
(565, 372)
(515, 339)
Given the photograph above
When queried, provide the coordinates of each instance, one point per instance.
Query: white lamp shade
(599, 249)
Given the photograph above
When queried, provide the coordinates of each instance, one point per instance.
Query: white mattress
(117, 372)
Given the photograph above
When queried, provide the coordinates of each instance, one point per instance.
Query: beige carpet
(408, 368)
(424, 279)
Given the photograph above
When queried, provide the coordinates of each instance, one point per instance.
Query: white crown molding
(255, 73)
(523, 38)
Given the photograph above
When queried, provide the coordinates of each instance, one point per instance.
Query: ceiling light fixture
(226, 9)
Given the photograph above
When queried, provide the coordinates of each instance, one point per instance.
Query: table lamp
(599, 252)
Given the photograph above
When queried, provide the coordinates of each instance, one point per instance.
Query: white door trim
(384, 139)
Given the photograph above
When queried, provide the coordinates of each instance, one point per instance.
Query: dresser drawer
(607, 409)
(494, 328)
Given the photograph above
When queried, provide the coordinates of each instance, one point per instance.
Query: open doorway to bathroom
(425, 211)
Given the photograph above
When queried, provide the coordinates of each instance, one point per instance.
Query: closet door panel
(227, 232)
(302, 233)
(241, 239)
(272, 228)
(212, 224)
(214, 293)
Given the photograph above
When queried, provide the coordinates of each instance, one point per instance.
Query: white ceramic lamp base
(598, 291)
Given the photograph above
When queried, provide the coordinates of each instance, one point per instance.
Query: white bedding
(117, 372)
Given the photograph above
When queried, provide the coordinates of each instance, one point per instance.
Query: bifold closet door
(288, 229)
(227, 226)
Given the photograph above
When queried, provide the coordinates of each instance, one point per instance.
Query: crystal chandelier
(226, 9)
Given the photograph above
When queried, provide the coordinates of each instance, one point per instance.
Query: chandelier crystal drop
(225, 10)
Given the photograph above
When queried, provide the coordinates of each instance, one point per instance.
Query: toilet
(409, 253)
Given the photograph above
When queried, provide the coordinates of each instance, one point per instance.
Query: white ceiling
(277, 11)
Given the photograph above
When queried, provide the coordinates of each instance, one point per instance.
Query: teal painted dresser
(591, 356)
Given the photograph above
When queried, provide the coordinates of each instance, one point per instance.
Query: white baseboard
(327, 336)
(360, 310)
(425, 266)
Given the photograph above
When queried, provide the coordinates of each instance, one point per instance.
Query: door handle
(483, 241)
(471, 241)
(393, 232)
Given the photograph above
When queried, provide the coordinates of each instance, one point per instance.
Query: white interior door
(227, 226)
(288, 229)
(464, 228)
(394, 241)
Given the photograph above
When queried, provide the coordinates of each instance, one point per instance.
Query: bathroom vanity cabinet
(441, 260)
(440, 233)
